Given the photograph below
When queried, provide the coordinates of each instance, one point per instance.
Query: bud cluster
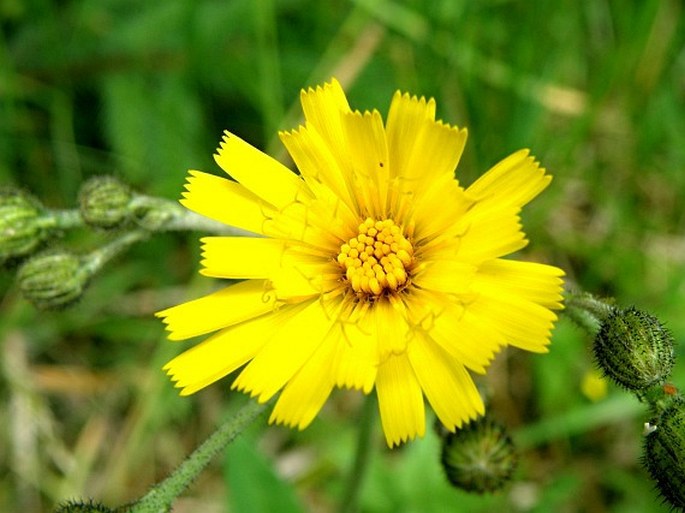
(636, 351)
(56, 278)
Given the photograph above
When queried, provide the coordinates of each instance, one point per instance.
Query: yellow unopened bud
(594, 385)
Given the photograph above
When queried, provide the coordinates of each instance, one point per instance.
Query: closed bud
(21, 229)
(83, 507)
(634, 349)
(664, 454)
(480, 457)
(104, 202)
(54, 279)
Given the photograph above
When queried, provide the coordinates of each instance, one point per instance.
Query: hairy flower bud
(104, 202)
(480, 457)
(54, 279)
(20, 229)
(665, 453)
(83, 507)
(634, 349)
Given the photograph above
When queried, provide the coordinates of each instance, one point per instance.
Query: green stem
(62, 219)
(587, 310)
(161, 497)
(615, 410)
(151, 213)
(187, 220)
(159, 214)
(659, 397)
(350, 499)
(99, 257)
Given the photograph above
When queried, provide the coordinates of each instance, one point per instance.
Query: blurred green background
(143, 90)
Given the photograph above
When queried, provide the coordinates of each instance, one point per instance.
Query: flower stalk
(99, 257)
(159, 214)
(587, 310)
(62, 219)
(362, 457)
(162, 496)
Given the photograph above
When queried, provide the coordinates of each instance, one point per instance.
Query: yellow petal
(538, 283)
(227, 202)
(489, 232)
(259, 173)
(387, 321)
(356, 358)
(433, 225)
(421, 149)
(468, 339)
(318, 165)
(512, 182)
(301, 278)
(378, 330)
(228, 306)
(407, 117)
(307, 391)
(323, 107)
(400, 401)
(423, 156)
(241, 257)
(366, 143)
(523, 324)
(220, 354)
(446, 384)
(288, 348)
(449, 276)
(310, 224)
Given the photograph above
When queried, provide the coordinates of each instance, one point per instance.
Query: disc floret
(378, 259)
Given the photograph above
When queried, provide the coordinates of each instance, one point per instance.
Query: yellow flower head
(374, 269)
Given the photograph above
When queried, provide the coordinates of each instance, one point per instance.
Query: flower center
(377, 259)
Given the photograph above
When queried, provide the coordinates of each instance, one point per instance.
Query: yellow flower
(374, 269)
(594, 385)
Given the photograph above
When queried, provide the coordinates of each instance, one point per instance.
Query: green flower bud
(634, 349)
(480, 457)
(54, 279)
(21, 230)
(665, 453)
(83, 507)
(104, 202)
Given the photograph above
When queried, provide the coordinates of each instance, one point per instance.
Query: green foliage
(143, 90)
(253, 483)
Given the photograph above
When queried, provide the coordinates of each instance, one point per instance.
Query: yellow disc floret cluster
(378, 259)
